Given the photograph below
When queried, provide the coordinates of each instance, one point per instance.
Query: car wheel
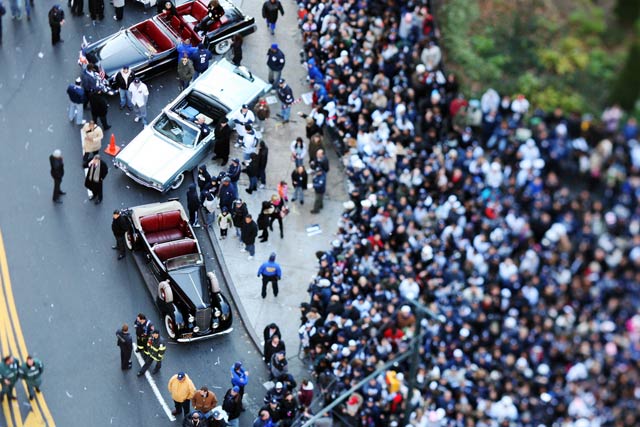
(223, 47)
(170, 326)
(178, 182)
(129, 240)
(165, 293)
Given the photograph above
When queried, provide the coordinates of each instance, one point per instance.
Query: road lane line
(154, 387)
(11, 408)
(41, 408)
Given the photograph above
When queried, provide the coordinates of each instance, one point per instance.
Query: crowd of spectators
(521, 227)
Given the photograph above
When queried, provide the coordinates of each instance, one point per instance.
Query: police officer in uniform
(143, 331)
(9, 373)
(31, 371)
(154, 351)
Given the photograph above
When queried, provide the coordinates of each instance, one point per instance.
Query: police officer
(154, 351)
(270, 272)
(9, 373)
(143, 330)
(31, 371)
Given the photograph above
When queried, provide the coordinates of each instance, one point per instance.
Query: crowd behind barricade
(522, 227)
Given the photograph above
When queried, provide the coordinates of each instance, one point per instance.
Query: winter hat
(237, 365)
(274, 46)
(235, 389)
(180, 376)
(272, 257)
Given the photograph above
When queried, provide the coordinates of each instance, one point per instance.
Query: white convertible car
(171, 145)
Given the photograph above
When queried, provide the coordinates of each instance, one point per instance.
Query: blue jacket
(186, 48)
(314, 72)
(76, 94)
(285, 94)
(320, 183)
(275, 59)
(227, 195)
(234, 172)
(238, 377)
(201, 59)
(270, 269)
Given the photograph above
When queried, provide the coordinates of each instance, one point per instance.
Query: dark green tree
(627, 87)
(627, 11)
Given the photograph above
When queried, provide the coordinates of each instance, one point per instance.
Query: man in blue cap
(270, 272)
(275, 62)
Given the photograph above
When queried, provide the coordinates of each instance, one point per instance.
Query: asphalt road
(71, 293)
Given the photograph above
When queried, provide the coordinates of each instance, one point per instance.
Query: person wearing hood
(204, 181)
(264, 219)
(271, 273)
(209, 205)
(251, 169)
(193, 204)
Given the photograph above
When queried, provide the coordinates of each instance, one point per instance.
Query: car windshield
(176, 130)
(183, 261)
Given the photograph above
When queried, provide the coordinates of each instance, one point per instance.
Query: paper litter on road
(271, 99)
(313, 229)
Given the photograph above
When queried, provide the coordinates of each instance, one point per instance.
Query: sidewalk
(296, 252)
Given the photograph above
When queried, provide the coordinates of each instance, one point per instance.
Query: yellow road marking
(18, 345)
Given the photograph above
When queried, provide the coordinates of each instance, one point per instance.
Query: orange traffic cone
(112, 149)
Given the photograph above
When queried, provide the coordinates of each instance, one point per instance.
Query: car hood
(153, 158)
(192, 281)
(230, 87)
(116, 51)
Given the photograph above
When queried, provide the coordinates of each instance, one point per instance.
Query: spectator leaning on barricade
(486, 225)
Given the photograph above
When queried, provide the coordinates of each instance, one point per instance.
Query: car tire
(170, 326)
(222, 47)
(129, 240)
(177, 182)
(165, 293)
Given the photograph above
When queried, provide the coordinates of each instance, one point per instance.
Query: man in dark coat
(99, 109)
(299, 180)
(3, 11)
(119, 226)
(227, 194)
(275, 63)
(96, 173)
(193, 205)
(57, 172)
(96, 9)
(285, 95)
(143, 331)
(263, 158)
(232, 404)
(270, 10)
(222, 144)
(56, 21)
(126, 346)
(248, 235)
(201, 58)
(238, 212)
(319, 186)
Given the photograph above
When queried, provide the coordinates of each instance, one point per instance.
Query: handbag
(284, 211)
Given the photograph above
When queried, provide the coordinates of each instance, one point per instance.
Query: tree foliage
(564, 53)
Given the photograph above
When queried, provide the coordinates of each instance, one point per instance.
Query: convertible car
(188, 298)
(172, 144)
(149, 47)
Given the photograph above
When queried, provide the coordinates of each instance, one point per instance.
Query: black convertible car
(149, 47)
(189, 298)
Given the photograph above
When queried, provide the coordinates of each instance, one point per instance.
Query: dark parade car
(149, 47)
(167, 251)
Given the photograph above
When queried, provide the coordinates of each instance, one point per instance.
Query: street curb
(226, 276)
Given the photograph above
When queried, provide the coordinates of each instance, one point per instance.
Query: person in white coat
(118, 5)
(242, 118)
(139, 96)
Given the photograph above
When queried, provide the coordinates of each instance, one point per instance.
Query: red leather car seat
(169, 250)
(163, 227)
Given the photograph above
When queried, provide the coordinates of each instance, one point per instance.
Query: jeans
(285, 112)
(208, 217)
(125, 98)
(253, 183)
(271, 26)
(16, 12)
(246, 156)
(182, 84)
(75, 111)
(27, 8)
(234, 422)
(274, 75)
(251, 249)
(141, 112)
(298, 193)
